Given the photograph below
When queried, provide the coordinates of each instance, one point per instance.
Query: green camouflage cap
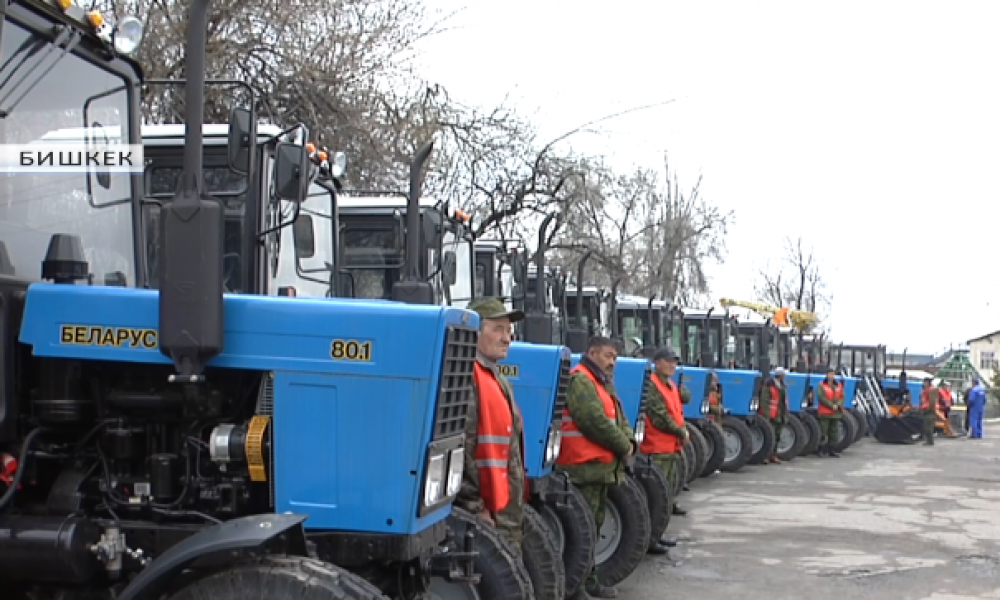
(493, 308)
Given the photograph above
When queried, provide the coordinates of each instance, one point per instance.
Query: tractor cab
(374, 232)
(586, 311)
(637, 325)
(707, 339)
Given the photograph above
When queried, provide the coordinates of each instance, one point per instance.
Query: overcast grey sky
(872, 128)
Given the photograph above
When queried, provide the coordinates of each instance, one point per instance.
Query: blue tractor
(185, 442)
(708, 341)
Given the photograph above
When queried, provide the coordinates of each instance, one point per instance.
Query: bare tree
(795, 282)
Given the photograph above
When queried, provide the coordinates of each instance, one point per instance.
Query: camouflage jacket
(656, 408)
(587, 410)
(764, 398)
(469, 496)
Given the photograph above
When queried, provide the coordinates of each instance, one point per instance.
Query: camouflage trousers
(827, 431)
(510, 524)
(930, 420)
(667, 464)
(777, 425)
(596, 496)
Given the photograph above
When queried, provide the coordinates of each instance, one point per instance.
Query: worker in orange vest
(597, 438)
(715, 406)
(929, 399)
(493, 482)
(829, 411)
(773, 406)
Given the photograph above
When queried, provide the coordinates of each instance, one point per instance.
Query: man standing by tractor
(929, 399)
(493, 483)
(715, 412)
(830, 410)
(666, 433)
(597, 439)
(976, 409)
(945, 405)
(773, 406)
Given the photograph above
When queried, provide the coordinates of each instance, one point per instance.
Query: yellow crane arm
(800, 319)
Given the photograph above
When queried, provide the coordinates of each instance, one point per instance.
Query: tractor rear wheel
(280, 578)
(702, 451)
(843, 432)
(658, 495)
(690, 462)
(862, 420)
(624, 536)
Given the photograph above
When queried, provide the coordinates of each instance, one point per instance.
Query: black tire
(701, 451)
(812, 425)
(541, 558)
(715, 441)
(573, 524)
(857, 428)
(762, 433)
(862, 420)
(658, 495)
(500, 570)
(626, 504)
(680, 471)
(800, 436)
(844, 433)
(280, 578)
(690, 462)
(738, 442)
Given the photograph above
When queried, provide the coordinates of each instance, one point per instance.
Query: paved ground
(882, 521)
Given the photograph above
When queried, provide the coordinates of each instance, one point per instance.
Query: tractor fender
(237, 534)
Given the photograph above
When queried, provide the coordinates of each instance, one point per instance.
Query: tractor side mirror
(517, 267)
(291, 171)
(449, 267)
(241, 128)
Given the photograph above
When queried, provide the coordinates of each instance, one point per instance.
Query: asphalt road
(882, 521)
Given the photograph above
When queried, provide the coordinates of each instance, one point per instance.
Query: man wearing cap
(829, 411)
(493, 483)
(929, 399)
(666, 432)
(976, 409)
(773, 406)
(597, 438)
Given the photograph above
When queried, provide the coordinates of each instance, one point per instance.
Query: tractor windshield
(76, 102)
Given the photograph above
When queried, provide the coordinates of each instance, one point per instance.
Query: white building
(984, 351)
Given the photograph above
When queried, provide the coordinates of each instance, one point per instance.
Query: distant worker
(945, 404)
(829, 411)
(929, 399)
(773, 406)
(715, 407)
(666, 432)
(977, 409)
(493, 480)
(597, 439)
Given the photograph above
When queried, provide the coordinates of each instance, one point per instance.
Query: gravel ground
(882, 521)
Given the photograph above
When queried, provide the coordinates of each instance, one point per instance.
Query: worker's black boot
(831, 452)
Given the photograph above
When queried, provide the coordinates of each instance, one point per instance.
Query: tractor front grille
(455, 392)
(562, 385)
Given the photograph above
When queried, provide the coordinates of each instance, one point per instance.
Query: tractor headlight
(456, 466)
(128, 35)
(434, 483)
(805, 404)
(705, 406)
(640, 431)
(552, 446)
(338, 166)
(754, 405)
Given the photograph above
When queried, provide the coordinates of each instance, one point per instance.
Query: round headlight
(640, 431)
(805, 404)
(704, 407)
(128, 35)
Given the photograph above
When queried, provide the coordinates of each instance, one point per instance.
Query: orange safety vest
(661, 442)
(576, 448)
(925, 398)
(946, 398)
(773, 404)
(493, 440)
(835, 393)
(713, 400)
